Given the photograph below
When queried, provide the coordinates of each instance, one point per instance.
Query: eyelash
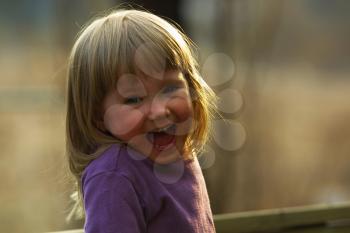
(133, 100)
(170, 89)
(136, 99)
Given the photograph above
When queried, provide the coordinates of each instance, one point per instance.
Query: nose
(158, 110)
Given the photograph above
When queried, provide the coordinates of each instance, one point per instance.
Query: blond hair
(104, 50)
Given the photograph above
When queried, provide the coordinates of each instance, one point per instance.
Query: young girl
(138, 113)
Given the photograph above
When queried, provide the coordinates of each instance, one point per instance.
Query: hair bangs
(146, 49)
(130, 43)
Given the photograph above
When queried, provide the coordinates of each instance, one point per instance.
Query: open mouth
(163, 138)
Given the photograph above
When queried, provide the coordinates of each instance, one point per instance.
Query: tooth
(163, 129)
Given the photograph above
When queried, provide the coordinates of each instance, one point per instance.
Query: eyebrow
(132, 83)
(170, 78)
(127, 82)
(176, 78)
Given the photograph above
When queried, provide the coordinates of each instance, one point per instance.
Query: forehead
(134, 80)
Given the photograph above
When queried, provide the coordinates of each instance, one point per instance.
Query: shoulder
(119, 160)
(106, 162)
(110, 170)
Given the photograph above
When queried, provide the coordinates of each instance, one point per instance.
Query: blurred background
(281, 69)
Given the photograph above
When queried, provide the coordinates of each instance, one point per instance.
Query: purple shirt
(124, 192)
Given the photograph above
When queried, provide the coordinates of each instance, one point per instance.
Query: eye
(133, 100)
(171, 88)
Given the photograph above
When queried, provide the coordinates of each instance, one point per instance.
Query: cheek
(183, 111)
(122, 121)
(182, 108)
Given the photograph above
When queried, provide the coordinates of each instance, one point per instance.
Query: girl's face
(153, 115)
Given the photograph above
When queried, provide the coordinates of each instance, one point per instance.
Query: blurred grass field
(291, 67)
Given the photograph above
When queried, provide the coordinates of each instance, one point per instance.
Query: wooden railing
(334, 218)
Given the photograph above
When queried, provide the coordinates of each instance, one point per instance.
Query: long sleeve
(112, 205)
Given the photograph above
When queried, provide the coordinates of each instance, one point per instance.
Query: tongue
(162, 139)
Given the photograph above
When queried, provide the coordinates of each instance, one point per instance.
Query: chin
(166, 157)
